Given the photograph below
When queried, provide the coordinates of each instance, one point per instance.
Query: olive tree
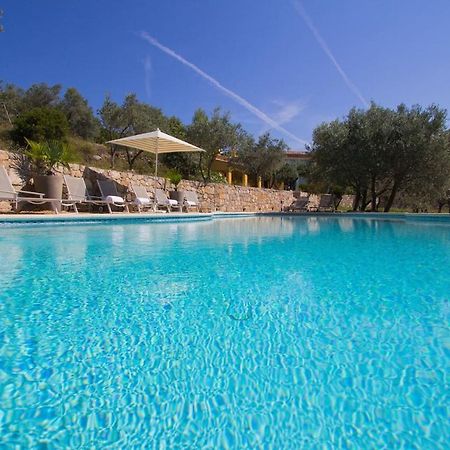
(213, 134)
(79, 114)
(383, 152)
(264, 157)
(132, 117)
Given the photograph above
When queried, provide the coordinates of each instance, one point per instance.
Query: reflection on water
(346, 225)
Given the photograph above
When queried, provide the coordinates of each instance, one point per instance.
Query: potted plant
(175, 178)
(44, 157)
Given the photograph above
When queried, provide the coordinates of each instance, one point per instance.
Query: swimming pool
(257, 332)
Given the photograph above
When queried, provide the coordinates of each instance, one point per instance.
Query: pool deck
(177, 216)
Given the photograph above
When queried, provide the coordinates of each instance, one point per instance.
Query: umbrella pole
(156, 165)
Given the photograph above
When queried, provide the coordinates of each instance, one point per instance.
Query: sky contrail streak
(147, 74)
(237, 98)
(320, 40)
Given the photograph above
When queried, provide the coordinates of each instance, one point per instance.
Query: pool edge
(10, 219)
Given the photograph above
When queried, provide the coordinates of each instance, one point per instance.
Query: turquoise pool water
(265, 332)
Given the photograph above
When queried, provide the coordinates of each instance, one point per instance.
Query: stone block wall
(347, 202)
(212, 196)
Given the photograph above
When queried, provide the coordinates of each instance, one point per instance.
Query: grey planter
(51, 186)
(178, 196)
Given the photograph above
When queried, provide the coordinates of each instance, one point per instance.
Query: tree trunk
(363, 200)
(210, 163)
(200, 166)
(357, 199)
(208, 173)
(373, 193)
(131, 158)
(391, 198)
(112, 155)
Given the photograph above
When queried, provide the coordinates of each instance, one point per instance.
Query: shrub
(40, 124)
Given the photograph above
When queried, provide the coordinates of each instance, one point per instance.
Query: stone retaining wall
(347, 201)
(212, 196)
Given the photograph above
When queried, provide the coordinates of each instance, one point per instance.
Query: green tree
(418, 149)
(184, 163)
(175, 127)
(263, 158)
(213, 134)
(383, 152)
(286, 174)
(112, 126)
(132, 117)
(79, 114)
(10, 102)
(139, 118)
(40, 124)
(41, 95)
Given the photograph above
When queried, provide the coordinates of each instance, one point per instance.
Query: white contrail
(237, 98)
(147, 75)
(309, 23)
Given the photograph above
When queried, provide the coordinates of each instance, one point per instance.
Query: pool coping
(12, 219)
(23, 219)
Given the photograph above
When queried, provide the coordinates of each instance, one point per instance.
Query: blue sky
(265, 52)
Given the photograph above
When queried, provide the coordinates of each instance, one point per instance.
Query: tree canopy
(15, 102)
(215, 134)
(40, 124)
(264, 157)
(79, 114)
(380, 153)
(132, 117)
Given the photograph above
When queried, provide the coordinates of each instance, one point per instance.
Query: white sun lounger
(9, 194)
(191, 200)
(162, 201)
(110, 195)
(77, 193)
(142, 199)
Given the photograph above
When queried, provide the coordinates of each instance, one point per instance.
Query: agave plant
(46, 155)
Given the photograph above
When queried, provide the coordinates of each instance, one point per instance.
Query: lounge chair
(299, 204)
(326, 203)
(142, 199)
(9, 194)
(191, 200)
(110, 195)
(77, 193)
(162, 201)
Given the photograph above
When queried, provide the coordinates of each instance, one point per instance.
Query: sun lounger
(162, 201)
(326, 203)
(77, 193)
(299, 204)
(110, 195)
(191, 200)
(142, 199)
(9, 194)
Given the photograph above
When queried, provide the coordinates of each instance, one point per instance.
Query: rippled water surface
(271, 332)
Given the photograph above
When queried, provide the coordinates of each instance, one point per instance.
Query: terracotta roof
(298, 154)
(291, 154)
(223, 158)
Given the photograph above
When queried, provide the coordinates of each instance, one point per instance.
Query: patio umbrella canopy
(156, 142)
